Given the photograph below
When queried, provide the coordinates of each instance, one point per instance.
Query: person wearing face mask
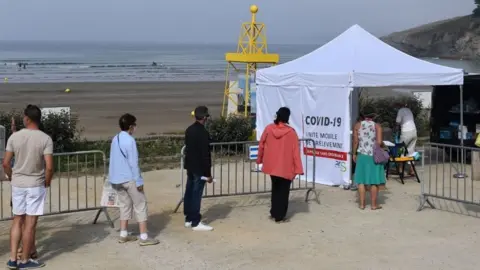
(30, 178)
(279, 152)
(198, 163)
(124, 175)
(33, 253)
(408, 131)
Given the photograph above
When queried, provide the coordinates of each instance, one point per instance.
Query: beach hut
(321, 89)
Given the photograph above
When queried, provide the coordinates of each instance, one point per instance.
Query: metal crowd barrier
(450, 172)
(76, 186)
(236, 173)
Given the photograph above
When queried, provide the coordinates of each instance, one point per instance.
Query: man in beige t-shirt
(31, 175)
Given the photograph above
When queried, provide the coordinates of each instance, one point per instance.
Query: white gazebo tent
(320, 84)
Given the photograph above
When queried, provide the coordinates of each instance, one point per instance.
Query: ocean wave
(127, 65)
(29, 62)
(80, 65)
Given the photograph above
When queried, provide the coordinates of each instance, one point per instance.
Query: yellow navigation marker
(67, 90)
(252, 53)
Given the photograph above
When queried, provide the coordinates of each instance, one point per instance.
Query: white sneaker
(202, 228)
(188, 224)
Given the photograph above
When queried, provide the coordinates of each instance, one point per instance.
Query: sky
(213, 21)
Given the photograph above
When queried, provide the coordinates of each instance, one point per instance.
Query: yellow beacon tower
(251, 52)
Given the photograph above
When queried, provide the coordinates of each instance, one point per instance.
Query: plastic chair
(396, 158)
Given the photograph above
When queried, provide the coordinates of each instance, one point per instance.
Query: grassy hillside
(457, 38)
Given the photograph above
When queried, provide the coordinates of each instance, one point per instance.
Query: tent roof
(356, 58)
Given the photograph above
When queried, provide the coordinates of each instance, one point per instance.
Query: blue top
(124, 160)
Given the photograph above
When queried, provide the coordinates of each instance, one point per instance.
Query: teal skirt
(367, 172)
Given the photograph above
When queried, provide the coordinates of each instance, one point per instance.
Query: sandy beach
(160, 107)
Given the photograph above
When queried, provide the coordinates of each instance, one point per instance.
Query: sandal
(376, 208)
(362, 207)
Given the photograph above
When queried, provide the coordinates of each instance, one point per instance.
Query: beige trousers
(131, 200)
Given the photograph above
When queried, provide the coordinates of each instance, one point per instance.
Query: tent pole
(351, 134)
(461, 123)
(461, 114)
(461, 173)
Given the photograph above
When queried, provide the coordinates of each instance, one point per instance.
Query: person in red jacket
(279, 153)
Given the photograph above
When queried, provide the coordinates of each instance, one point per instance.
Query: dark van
(445, 113)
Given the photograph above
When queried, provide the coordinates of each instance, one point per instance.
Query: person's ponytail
(282, 116)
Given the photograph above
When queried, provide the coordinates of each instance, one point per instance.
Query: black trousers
(280, 195)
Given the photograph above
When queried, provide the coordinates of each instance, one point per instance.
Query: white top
(356, 58)
(406, 120)
(367, 135)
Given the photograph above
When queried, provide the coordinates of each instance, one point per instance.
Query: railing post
(63, 172)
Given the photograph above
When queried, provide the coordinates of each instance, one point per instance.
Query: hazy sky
(213, 21)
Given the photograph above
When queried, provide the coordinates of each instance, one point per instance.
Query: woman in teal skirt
(367, 173)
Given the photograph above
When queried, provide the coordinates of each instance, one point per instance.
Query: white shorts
(28, 201)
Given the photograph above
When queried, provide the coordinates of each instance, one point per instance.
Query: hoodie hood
(280, 130)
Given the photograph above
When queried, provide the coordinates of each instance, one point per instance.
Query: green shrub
(6, 120)
(147, 148)
(386, 110)
(230, 129)
(62, 128)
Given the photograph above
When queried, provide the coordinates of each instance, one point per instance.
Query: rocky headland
(456, 38)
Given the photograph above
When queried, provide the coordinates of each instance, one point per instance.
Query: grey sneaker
(148, 242)
(129, 238)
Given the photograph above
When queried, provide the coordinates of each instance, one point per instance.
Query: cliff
(457, 38)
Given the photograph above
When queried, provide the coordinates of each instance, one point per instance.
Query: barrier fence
(76, 186)
(450, 172)
(236, 173)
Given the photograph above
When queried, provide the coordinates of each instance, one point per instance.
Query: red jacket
(279, 152)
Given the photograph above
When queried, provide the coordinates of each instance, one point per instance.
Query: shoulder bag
(109, 192)
(380, 156)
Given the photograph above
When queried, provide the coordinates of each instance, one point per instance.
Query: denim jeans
(192, 200)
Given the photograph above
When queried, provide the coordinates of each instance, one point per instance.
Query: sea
(42, 61)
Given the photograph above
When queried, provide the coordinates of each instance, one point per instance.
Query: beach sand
(160, 107)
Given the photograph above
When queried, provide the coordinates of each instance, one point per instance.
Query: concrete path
(333, 235)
